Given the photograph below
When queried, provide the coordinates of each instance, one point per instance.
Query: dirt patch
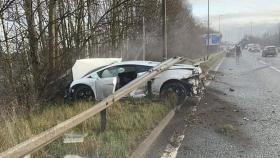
(224, 118)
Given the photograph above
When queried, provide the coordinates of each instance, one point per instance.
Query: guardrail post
(103, 120)
(149, 88)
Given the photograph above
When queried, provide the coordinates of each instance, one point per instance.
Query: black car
(269, 51)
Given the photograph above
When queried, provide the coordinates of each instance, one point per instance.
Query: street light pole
(219, 23)
(251, 29)
(208, 31)
(279, 34)
(164, 30)
(220, 32)
(144, 39)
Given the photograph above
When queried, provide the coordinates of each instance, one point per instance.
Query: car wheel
(83, 93)
(174, 89)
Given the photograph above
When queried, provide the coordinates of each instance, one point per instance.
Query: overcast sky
(237, 16)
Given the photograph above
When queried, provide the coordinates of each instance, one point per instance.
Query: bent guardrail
(35, 143)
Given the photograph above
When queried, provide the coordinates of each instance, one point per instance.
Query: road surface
(239, 117)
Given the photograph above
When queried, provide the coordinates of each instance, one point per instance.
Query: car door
(142, 90)
(116, 77)
(107, 82)
(105, 87)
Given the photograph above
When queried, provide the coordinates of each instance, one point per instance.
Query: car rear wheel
(175, 92)
(83, 93)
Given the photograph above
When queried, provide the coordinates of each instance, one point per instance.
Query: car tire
(178, 88)
(83, 93)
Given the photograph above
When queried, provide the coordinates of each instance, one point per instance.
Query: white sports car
(97, 84)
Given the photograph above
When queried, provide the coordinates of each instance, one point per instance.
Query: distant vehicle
(253, 48)
(269, 51)
(181, 79)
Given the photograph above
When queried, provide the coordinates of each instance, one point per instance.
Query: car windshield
(271, 48)
(94, 70)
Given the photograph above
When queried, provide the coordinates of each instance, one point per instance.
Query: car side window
(116, 70)
(109, 72)
(142, 68)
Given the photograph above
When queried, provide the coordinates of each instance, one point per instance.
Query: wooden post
(164, 31)
(103, 120)
(144, 39)
(149, 87)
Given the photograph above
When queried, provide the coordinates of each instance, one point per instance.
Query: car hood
(83, 66)
(192, 68)
(183, 66)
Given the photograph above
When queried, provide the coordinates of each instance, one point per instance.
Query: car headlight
(197, 70)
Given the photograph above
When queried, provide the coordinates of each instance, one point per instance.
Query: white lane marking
(272, 67)
(171, 151)
(263, 62)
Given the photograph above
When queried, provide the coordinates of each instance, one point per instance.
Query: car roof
(142, 63)
(270, 47)
(137, 62)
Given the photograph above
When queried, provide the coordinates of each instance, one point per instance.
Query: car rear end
(269, 51)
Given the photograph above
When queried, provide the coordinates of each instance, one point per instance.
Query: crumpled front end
(195, 83)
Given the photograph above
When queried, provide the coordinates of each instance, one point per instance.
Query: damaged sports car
(102, 80)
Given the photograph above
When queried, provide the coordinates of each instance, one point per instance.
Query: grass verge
(213, 59)
(129, 121)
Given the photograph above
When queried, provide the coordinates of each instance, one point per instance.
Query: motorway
(239, 117)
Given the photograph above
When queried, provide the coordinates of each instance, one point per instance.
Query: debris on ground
(231, 90)
(176, 140)
(210, 77)
(72, 156)
(225, 129)
(74, 138)
(222, 108)
(194, 109)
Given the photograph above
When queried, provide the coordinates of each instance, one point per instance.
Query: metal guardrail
(35, 143)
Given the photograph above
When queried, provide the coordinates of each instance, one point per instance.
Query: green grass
(129, 121)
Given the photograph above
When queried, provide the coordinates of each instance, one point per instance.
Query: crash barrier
(35, 143)
(200, 61)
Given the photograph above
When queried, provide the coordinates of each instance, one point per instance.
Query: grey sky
(237, 16)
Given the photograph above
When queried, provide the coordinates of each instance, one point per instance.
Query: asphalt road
(239, 117)
(274, 61)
